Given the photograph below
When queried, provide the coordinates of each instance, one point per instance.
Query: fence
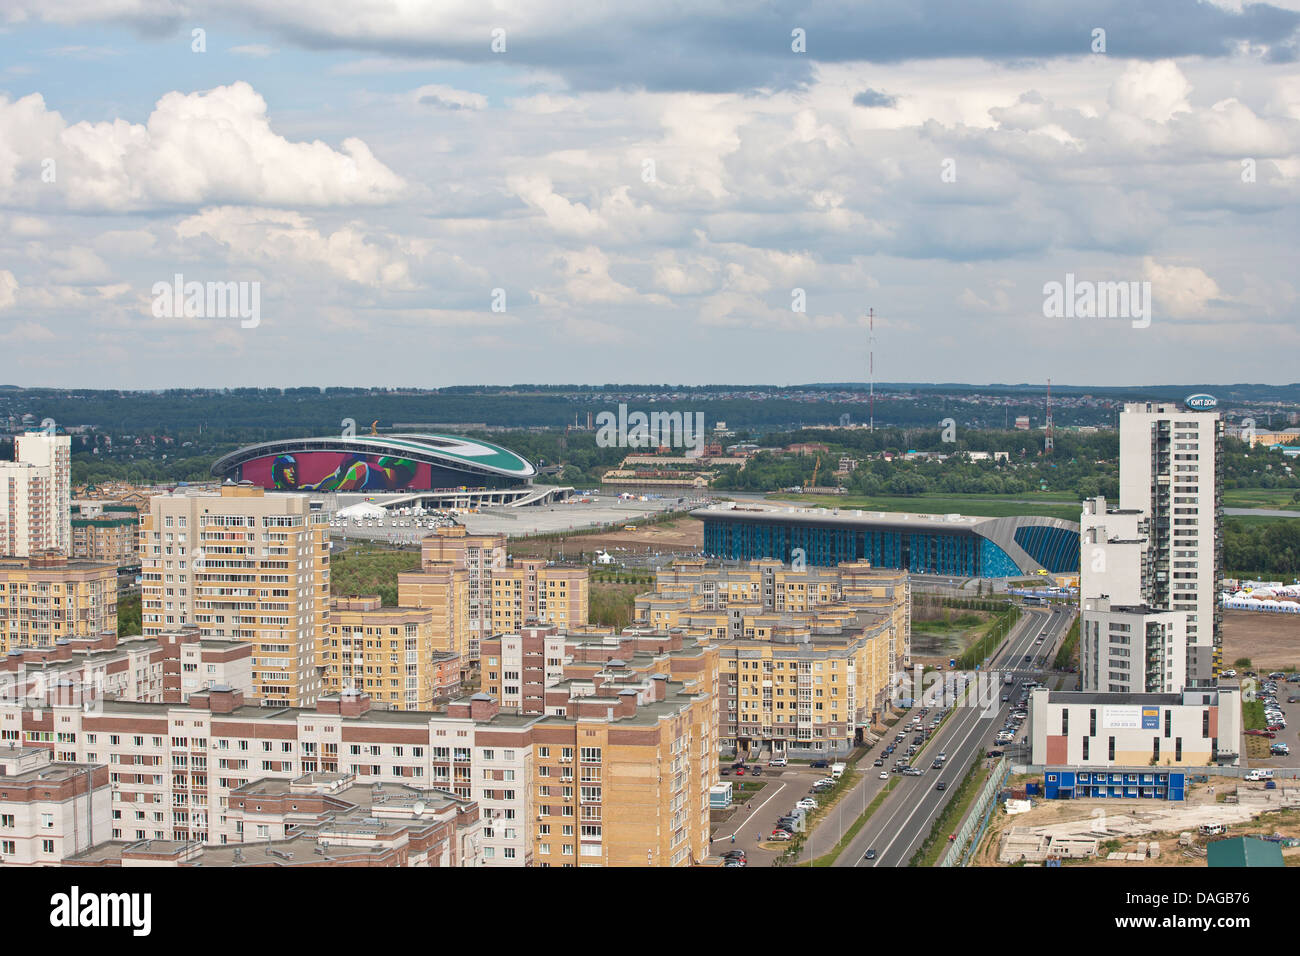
(975, 818)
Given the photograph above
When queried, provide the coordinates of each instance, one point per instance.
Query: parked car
(807, 803)
(740, 771)
(782, 835)
(756, 771)
(724, 772)
(819, 764)
(994, 753)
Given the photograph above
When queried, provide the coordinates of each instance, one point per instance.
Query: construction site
(1026, 831)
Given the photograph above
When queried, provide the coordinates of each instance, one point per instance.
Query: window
(47, 846)
(47, 821)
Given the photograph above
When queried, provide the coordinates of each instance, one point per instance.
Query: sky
(415, 193)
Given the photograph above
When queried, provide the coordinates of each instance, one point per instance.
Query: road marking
(1028, 634)
(736, 832)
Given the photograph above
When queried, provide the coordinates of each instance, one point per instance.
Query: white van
(1212, 829)
(837, 770)
(1255, 775)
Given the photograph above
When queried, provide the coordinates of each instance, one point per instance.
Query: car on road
(819, 764)
(869, 855)
(878, 762)
(940, 785)
(913, 771)
(1006, 698)
(937, 765)
(1280, 749)
(884, 775)
(942, 755)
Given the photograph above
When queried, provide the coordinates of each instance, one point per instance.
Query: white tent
(362, 509)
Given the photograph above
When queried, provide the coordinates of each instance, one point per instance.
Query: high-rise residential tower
(36, 496)
(1161, 550)
(242, 565)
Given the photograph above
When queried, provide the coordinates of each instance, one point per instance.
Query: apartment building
(49, 810)
(244, 565)
(1132, 649)
(804, 687)
(110, 535)
(47, 598)
(442, 589)
(176, 770)
(527, 590)
(741, 590)
(35, 496)
(320, 820)
(391, 653)
(476, 555)
(1170, 471)
(478, 590)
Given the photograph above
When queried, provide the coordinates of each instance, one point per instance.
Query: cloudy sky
(437, 192)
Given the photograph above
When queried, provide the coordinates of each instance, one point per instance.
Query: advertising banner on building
(1150, 718)
(1121, 718)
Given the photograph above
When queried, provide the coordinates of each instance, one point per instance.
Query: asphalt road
(903, 820)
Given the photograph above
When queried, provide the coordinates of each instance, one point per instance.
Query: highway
(898, 827)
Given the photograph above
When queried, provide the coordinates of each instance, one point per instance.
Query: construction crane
(813, 481)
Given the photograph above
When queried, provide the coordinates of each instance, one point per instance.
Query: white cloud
(1183, 291)
(8, 289)
(265, 238)
(256, 50)
(196, 148)
(1151, 91)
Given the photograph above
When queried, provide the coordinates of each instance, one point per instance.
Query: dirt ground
(1046, 812)
(684, 534)
(1271, 641)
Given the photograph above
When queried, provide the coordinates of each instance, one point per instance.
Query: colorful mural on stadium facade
(336, 471)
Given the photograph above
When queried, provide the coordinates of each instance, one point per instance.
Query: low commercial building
(1196, 728)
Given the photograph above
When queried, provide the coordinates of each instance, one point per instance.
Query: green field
(1275, 498)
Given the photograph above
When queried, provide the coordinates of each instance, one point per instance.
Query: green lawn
(1276, 498)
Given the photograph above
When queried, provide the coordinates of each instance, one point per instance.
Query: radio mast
(871, 367)
(1047, 442)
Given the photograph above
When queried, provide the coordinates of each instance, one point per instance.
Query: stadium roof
(444, 450)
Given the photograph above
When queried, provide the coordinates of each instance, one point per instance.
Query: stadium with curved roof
(376, 463)
(923, 544)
